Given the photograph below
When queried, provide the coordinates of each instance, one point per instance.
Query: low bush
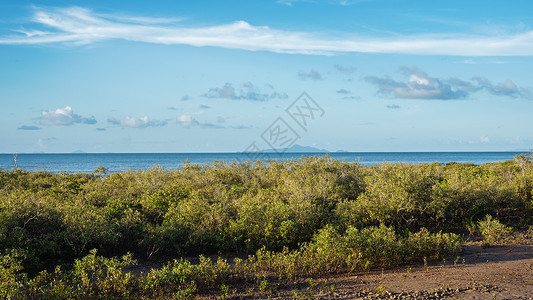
(492, 230)
(356, 250)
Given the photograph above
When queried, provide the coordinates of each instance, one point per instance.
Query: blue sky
(214, 76)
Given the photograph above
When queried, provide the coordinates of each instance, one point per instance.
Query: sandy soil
(479, 273)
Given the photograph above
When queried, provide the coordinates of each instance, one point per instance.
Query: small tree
(15, 156)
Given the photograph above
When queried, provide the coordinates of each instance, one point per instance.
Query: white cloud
(134, 122)
(77, 26)
(63, 117)
(419, 86)
(31, 33)
(422, 86)
(186, 120)
(142, 20)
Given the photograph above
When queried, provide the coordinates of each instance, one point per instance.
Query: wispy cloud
(43, 142)
(347, 95)
(291, 2)
(331, 2)
(63, 117)
(78, 26)
(507, 88)
(351, 98)
(349, 2)
(393, 106)
(313, 75)
(484, 139)
(141, 20)
(134, 122)
(343, 91)
(29, 127)
(245, 91)
(348, 70)
(210, 125)
(463, 85)
(474, 62)
(241, 127)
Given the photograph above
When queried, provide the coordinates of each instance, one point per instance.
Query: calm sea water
(116, 162)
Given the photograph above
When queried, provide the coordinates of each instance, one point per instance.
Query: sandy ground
(479, 273)
(504, 272)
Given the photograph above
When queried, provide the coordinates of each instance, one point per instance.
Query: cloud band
(77, 25)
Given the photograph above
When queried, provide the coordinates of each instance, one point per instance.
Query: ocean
(116, 162)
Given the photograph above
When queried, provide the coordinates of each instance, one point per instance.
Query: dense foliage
(295, 218)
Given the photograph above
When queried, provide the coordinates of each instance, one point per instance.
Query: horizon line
(268, 152)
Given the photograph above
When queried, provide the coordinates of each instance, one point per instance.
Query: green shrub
(330, 252)
(175, 277)
(97, 275)
(492, 230)
(396, 194)
(57, 285)
(12, 280)
(181, 277)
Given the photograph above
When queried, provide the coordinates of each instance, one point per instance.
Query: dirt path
(478, 273)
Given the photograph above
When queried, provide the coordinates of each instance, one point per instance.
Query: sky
(230, 76)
